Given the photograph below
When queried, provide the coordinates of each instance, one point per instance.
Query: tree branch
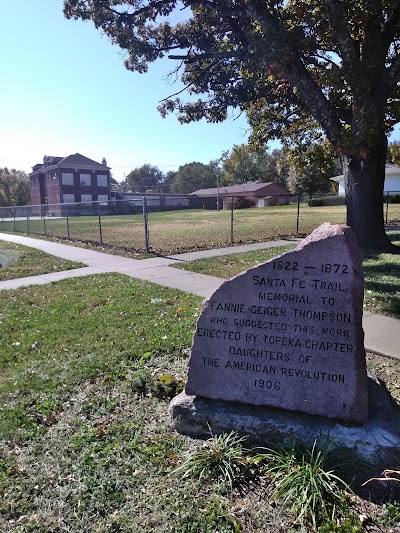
(212, 55)
(394, 72)
(391, 28)
(154, 4)
(338, 21)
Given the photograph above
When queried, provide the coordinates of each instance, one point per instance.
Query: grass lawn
(186, 230)
(17, 261)
(86, 374)
(381, 272)
(87, 371)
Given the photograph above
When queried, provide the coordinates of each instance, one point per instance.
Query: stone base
(376, 442)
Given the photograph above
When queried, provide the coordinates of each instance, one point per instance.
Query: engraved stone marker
(288, 333)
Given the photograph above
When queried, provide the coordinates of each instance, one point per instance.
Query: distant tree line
(14, 187)
(304, 169)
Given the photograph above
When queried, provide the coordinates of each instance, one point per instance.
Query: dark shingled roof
(78, 159)
(236, 189)
(71, 160)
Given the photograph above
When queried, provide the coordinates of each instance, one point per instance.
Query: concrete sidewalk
(382, 334)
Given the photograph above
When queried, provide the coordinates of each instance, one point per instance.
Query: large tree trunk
(364, 180)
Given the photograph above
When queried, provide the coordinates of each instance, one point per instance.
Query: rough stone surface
(288, 333)
(376, 442)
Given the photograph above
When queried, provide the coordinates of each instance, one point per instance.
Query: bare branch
(188, 58)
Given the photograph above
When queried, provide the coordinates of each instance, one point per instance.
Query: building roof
(390, 169)
(77, 160)
(250, 187)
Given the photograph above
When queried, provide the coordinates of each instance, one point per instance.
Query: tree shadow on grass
(382, 281)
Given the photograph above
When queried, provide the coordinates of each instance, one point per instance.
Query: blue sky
(64, 89)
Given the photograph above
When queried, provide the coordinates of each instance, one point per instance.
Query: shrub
(327, 201)
(315, 202)
(392, 198)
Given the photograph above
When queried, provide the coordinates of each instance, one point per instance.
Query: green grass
(227, 266)
(18, 261)
(187, 230)
(382, 281)
(86, 373)
(381, 272)
(75, 335)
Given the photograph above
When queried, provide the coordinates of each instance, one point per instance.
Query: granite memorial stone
(288, 333)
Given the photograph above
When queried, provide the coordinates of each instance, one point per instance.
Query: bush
(240, 202)
(392, 198)
(316, 202)
(327, 201)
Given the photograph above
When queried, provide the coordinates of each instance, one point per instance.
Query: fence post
(44, 224)
(66, 214)
(100, 228)
(146, 227)
(298, 215)
(14, 219)
(387, 207)
(232, 237)
(27, 219)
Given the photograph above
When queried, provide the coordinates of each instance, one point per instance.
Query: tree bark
(364, 179)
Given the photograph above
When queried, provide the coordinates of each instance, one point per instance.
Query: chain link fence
(168, 225)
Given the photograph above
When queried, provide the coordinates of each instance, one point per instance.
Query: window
(101, 180)
(86, 198)
(67, 178)
(102, 199)
(68, 198)
(85, 180)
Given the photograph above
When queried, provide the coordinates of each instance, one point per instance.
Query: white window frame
(85, 180)
(68, 198)
(102, 199)
(100, 178)
(67, 178)
(86, 198)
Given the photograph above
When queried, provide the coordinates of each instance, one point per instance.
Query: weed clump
(307, 483)
(220, 457)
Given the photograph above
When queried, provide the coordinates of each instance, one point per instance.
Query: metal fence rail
(172, 225)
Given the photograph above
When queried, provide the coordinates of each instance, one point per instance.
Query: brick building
(248, 194)
(71, 179)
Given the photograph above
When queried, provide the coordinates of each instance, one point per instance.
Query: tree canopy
(297, 68)
(194, 176)
(311, 168)
(394, 153)
(14, 187)
(246, 163)
(142, 179)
